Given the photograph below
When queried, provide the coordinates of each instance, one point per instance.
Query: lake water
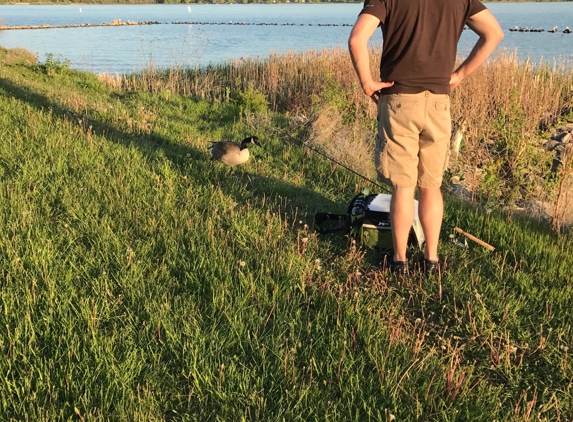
(310, 27)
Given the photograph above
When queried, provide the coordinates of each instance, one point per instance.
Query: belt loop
(427, 93)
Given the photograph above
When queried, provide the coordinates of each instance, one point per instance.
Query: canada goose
(231, 153)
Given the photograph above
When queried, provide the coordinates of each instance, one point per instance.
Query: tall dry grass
(287, 80)
(507, 95)
(17, 55)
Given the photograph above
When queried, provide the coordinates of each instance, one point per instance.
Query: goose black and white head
(231, 153)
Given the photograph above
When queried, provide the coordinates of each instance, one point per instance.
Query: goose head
(250, 140)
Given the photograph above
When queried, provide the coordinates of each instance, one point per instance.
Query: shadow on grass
(296, 202)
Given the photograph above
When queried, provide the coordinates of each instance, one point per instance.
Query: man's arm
(363, 29)
(490, 35)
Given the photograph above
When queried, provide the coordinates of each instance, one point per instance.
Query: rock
(551, 144)
(539, 209)
(563, 137)
(460, 192)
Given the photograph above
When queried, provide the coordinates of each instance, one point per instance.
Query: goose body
(232, 153)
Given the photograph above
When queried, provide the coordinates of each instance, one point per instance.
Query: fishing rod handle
(475, 239)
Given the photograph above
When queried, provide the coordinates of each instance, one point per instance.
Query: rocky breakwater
(115, 22)
(119, 22)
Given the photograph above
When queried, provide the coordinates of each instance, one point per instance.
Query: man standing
(417, 74)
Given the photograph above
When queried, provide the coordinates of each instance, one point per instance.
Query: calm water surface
(130, 48)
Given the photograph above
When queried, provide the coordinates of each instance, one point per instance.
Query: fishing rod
(338, 163)
(384, 188)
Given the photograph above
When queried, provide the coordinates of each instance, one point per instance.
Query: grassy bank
(142, 282)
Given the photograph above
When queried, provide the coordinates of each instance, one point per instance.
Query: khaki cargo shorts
(413, 139)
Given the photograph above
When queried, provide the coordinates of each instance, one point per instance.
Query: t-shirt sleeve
(376, 8)
(476, 6)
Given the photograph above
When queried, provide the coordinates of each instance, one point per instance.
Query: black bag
(367, 221)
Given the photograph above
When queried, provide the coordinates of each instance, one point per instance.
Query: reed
(289, 80)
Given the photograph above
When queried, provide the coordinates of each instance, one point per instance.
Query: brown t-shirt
(420, 41)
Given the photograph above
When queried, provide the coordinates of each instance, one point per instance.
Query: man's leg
(401, 219)
(434, 145)
(400, 122)
(431, 213)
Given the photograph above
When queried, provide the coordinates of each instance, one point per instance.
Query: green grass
(142, 282)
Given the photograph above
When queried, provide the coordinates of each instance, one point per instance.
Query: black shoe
(396, 267)
(399, 267)
(429, 267)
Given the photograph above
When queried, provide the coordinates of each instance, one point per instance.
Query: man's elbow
(352, 42)
(493, 37)
(499, 35)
